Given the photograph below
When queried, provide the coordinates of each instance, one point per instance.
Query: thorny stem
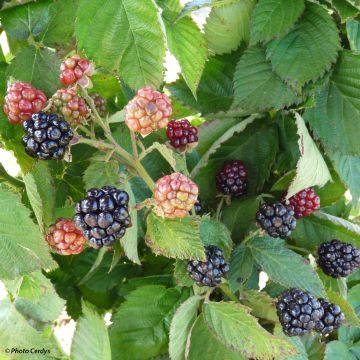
(134, 145)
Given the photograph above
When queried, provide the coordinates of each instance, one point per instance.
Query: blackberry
(298, 312)
(331, 320)
(198, 206)
(338, 259)
(100, 104)
(103, 216)
(209, 272)
(181, 133)
(232, 179)
(47, 136)
(276, 219)
(305, 203)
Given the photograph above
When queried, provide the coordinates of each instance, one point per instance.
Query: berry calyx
(174, 195)
(305, 203)
(103, 216)
(66, 103)
(64, 238)
(100, 104)
(338, 259)
(148, 111)
(331, 320)
(298, 312)
(21, 101)
(181, 134)
(276, 219)
(232, 179)
(47, 136)
(209, 272)
(76, 70)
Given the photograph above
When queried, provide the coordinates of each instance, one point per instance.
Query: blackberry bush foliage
(260, 118)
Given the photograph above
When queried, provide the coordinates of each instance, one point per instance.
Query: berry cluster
(209, 272)
(338, 259)
(47, 136)
(300, 312)
(181, 133)
(64, 238)
(232, 179)
(305, 203)
(100, 104)
(76, 70)
(103, 216)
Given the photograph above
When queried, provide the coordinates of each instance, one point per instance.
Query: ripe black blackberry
(331, 320)
(198, 206)
(47, 136)
(103, 216)
(209, 272)
(298, 312)
(338, 259)
(276, 219)
(232, 179)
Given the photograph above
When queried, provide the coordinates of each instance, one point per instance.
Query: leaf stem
(218, 210)
(226, 291)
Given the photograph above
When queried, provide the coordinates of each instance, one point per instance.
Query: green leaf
(40, 188)
(345, 9)
(180, 327)
(354, 298)
(308, 50)
(91, 339)
(181, 275)
(38, 66)
(178, 238)
(214, 232)
(23, 248)
(353, 34)
(226, 27)
(188, 45)
(274, 18)
(203, 338)
(355, 3)
(261, 304)
(257, 87)
(28, 20)
(337, 350)
(141, 323)
(311, 168)
(285, 266)
(101, 173)
(125, 36)
(238, 330)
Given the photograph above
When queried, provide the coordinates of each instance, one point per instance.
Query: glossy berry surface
(66, 103)
(175, 195)
(100, 104)
(331, 320)
(103, 216)
(232, 179)
(148, 111)
(305, 203)
(21, 101)
(181, 133)
(298, 312)
(198, 206)
(76, 70)
(276, 219)
(209, 272)
(338, 259)
(47, 136)
(64, 238)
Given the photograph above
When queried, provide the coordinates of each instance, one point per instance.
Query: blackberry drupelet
(180, 133)
(47, 136)
(103, 216)
(338, 259)
(198, 206)
(305, 203)
(209, 272)
(276, 219)
(298, 312)
(232, 179)
(331, 320)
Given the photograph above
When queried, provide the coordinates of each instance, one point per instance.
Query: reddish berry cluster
(232, 179)
(76, 70)
(181, 133)
(305, 203)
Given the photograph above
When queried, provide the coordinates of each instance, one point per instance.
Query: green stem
(302, 250)
(226, 291)
(134, 145)
(218, 210)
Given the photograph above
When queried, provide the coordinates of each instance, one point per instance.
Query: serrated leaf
(274, 18)
(178, 238)
(338, 350)
(238, 330)
(125, 36)
(311, 169)
(40, 188)
(23, 247)
(285, 266)
(261, 304)
(181, 325)
(213, 232)
(227, 26)
(101, 173)
(38, 66)
(91, 339)
(141, 323)
(308, 50)
(257, 87)
(181, 275)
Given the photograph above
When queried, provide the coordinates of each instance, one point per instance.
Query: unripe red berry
(305, 203)
(76, 70)
(181, 134)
